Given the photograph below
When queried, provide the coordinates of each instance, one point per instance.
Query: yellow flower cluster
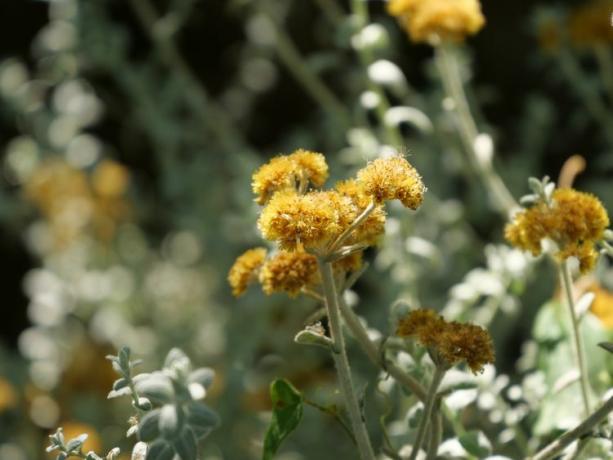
(73, 202)
(288, 172)
(450, 342)
(245, 270)
(575, 221)
(447, 20)
(590, 24)
(308, 222)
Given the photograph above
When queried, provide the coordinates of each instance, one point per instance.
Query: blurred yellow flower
(289, 272)
(430, 20)
(575, 221)
(110, 179)
(602, 306)
(245, 270)
(392, 179)
(8, 395)
(590, 24)
(293, 171)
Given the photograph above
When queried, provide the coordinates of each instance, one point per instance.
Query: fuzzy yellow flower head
(289, 172)
(289, 272)
(590, 24)
(311, 220)
(392, 178)
(245, 270)
(447, 20)
(574, 220)
(450, 342)
(373, 227)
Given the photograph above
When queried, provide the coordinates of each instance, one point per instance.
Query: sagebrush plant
(127, 180)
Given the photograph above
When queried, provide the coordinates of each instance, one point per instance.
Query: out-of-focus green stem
(342, 363)
(557, 446)
(359, 8)
(295, 64)
(195, 95)
(467, 128)
(426, 418)
(568, 291)
(588, 94)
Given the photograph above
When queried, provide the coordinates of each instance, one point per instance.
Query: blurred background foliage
(129, 131)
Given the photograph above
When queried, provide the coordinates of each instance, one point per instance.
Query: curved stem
(355, 224)
(467, 128)
(583, 428)
(567, 287)
(439, 373)
(342, 363)
(372, 352)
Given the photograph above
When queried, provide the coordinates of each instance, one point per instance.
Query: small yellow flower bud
(245, 269)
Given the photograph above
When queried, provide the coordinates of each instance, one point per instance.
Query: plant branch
(580, 430)
(342, 363)
(567, 287)
(426, 418)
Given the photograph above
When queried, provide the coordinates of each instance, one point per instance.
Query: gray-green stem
(426, 418)
(467, 128)
(557, 446)
(436, 434)
(342, 363)
(568, 291)
(373, 353)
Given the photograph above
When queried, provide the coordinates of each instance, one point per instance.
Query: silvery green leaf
(196, 391)
(548, 189)
(204, 376)
(608, 234)
(168, 421)
(132, 431)
(311, 337)
(117, 393)
(528, 199)
(157, 388)
(120, 383)
(201, 419)
(61, 456)
(186, 445)
(113, 453)
(139, 452)
(176, 357)
(584, 303)
(75, 443)
(143, 404)
(148, 428)
(476, 443)
(160, 450)
(92, 456)
(535, 185)
(124, 359)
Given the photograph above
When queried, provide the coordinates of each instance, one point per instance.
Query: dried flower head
(289, 272)
(289, 172)
(245, 269)
(590, 24)
(447, 20)
(575, 221)
(450, 342)
(392, 178)
(311, 220)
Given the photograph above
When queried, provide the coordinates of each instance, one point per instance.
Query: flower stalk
(567, 287)
(427, 417)
(342, 363)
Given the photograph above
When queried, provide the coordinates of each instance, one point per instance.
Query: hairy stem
(467, 128)
(426, 418)
(342, 363)
(436, 434)
(568, 291)
(551, 450)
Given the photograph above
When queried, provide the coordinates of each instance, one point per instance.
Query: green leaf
(608, 346)
(201, 419)
(186, 445)
(475, 444)
(160, 450)
(287, 403)
(148, 428)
